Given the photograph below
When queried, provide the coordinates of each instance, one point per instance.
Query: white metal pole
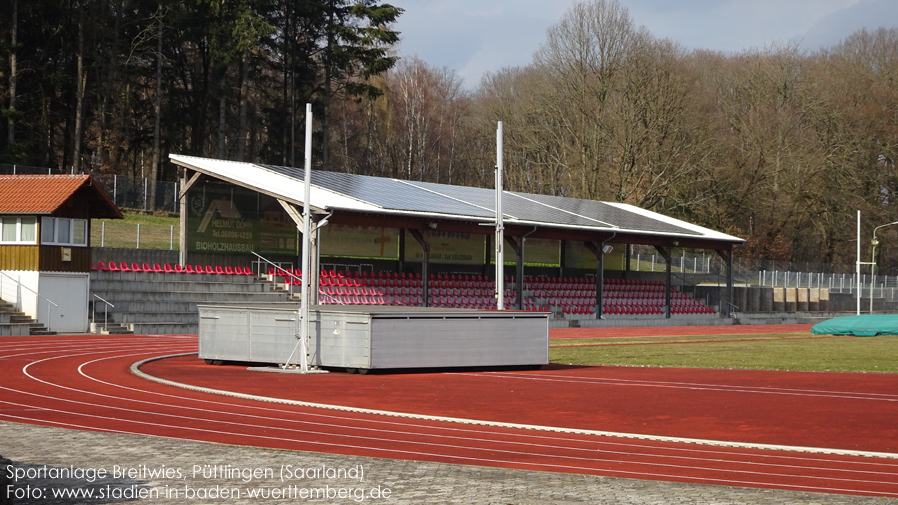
(858, 262)
(306, 244)
(500, 230)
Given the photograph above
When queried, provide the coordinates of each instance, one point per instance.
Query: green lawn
(155, 232)
(784, 351)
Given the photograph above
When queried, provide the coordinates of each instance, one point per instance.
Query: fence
(689, 268)
(134, 193)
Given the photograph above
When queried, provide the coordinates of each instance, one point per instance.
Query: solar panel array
(479, 203)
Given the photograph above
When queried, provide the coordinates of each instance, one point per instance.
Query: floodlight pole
(306, 244)
(875, 243)
(500, 229)
(858, 273)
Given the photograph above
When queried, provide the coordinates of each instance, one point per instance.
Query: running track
(84, 382)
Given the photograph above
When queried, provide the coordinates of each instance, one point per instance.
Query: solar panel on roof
(385, 193)
(603, 212)
(358, 192)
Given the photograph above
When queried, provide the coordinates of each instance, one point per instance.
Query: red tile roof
(44, 194)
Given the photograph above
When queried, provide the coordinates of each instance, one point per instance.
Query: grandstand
(414, 219)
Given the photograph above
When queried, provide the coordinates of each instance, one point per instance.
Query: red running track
(84, 382)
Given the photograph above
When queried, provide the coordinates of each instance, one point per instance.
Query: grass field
(768, 351)
(155, 232)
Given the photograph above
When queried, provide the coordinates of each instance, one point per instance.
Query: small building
(45, 255)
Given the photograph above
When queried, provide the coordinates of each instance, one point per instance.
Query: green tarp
(868, 325)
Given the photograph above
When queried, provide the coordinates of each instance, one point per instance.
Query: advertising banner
(360, 242)
(231, 220)
(449, 247)
(576, 255)
(537, 252)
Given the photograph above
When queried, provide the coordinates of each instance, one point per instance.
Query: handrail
(106, 311)
(285, 273)
(19, 301)
(29, 289)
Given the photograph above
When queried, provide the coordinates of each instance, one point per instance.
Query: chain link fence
(689, 269)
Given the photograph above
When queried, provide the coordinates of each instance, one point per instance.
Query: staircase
(166, 303)
(15, 323)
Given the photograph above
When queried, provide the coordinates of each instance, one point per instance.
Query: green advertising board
(347, 241)
(228, 219)
(449, 247)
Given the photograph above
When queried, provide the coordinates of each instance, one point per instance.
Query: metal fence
(689, 268)
(130, 193)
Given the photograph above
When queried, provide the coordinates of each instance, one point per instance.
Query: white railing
(17, 292)
(105, 312)
(296, 280)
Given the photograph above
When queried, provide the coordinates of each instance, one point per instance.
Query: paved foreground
(200, 472)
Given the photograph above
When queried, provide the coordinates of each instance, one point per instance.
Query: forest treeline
(778, 145)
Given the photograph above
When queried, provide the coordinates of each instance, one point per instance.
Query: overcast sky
(473, 37)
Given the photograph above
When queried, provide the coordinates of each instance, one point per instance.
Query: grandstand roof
(383, 201)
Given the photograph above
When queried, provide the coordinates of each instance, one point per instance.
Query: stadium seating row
(166, 268)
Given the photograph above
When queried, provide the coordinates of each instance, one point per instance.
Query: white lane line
(645, 474)
(696, 386)
(135, 369)
(506, 434)
(541, 466)
(791, 465)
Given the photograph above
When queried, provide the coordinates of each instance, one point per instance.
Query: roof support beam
(186, 185)
(727, 305)
(425, 278)
(519, 271)
(596, 249)
(668, 275)
(294, 214)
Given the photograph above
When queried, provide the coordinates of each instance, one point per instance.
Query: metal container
(374, 337)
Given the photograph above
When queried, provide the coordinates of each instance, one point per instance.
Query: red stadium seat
(156, 268)
(102, 266)
(178, 268)
(135, 267)
(147, 268)
(168, 269)
(123, 266)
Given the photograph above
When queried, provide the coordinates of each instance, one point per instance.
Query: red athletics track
(84, 382)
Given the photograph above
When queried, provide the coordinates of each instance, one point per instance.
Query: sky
(473, 37)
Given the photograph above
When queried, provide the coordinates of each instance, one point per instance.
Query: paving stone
(29, 447)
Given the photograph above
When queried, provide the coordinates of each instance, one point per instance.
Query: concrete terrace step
(14, 329)
(163, 277)
(116, 297)
(192, 317)
(163, 328)
(175, 306)
(168, 286)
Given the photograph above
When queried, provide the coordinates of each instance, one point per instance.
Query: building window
(18, 230)
(63, 231)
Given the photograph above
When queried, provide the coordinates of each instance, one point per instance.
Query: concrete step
(116, 297)
(14, 329)
(112, 329)
(192, 317)
(163, 277)
(169, 286)
(164, 328)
